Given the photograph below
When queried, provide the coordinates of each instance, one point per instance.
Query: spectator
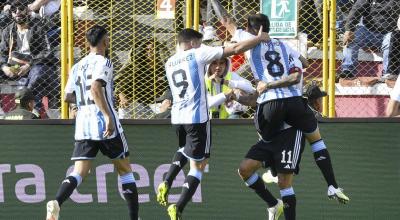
(379, 20)
(342, 9)
(25, 55)
(5, 16)
(314, 95)
(49, 7)
(219, 80)
(25, 101)
(141, 79)
(49, 11)
(166, 104)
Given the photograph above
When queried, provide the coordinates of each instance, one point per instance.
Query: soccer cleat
(275, 211)
(337, 193)
(162, 193)
(267, 177)
(173, 212)
(53, 210)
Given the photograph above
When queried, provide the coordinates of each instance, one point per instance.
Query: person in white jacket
(223, 88)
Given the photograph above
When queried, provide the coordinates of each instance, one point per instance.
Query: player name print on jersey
(185, 74)
(90, 122)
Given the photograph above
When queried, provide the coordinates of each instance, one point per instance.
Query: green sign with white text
(283, 17)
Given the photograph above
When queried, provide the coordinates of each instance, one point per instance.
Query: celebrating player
(97, 127)
(280, 92)
(185, 73)
(282, 154)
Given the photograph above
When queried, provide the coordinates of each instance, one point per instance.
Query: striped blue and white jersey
(90, 122)
(185, 73)
(271, 61)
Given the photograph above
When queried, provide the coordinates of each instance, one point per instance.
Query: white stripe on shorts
(208, 141)
(297, 146)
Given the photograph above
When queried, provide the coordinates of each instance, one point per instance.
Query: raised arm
(37, 4)
(243, 46)
(224, 17)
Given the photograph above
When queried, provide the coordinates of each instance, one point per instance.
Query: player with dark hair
(280, 92)
(97, 127)
(185, 73)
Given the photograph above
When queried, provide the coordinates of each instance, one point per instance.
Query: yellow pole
(64, 57)
(332, 58)
(154, 62)
(188, 14)
(111, 29)
(325, 54)
(196, 19)
(70, 8)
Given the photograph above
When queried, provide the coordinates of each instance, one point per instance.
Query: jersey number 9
(182, 81)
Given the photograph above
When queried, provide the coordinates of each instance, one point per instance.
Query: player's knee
(284, 181)
(313, 136)
(244, 171)
(122, 166)
(122, 170)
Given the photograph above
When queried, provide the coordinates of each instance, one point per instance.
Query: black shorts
(282, 154)
(195, 140)
(270, 116)
(114, 148)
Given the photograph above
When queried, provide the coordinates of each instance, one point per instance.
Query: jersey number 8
(182, 83)
(274, 67)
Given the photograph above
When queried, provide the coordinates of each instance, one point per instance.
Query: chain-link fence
(308, 41)
(367, 56)
(367, 49)
(366, 53)
(139, 47)
(30, 57)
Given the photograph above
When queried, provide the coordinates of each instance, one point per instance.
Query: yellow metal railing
(325, 53)
(332, 57)
(129, 70)
(189, 13)
(64, 56)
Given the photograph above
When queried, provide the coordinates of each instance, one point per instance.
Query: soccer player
(90, 86)
(185, 73)
(282, 154)
(280, 92)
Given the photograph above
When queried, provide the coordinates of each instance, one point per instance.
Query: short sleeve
(207, 54)
(69, 88)
(241, 35)
(395, 94)
(102, 70)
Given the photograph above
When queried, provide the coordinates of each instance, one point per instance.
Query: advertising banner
(35, 159)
